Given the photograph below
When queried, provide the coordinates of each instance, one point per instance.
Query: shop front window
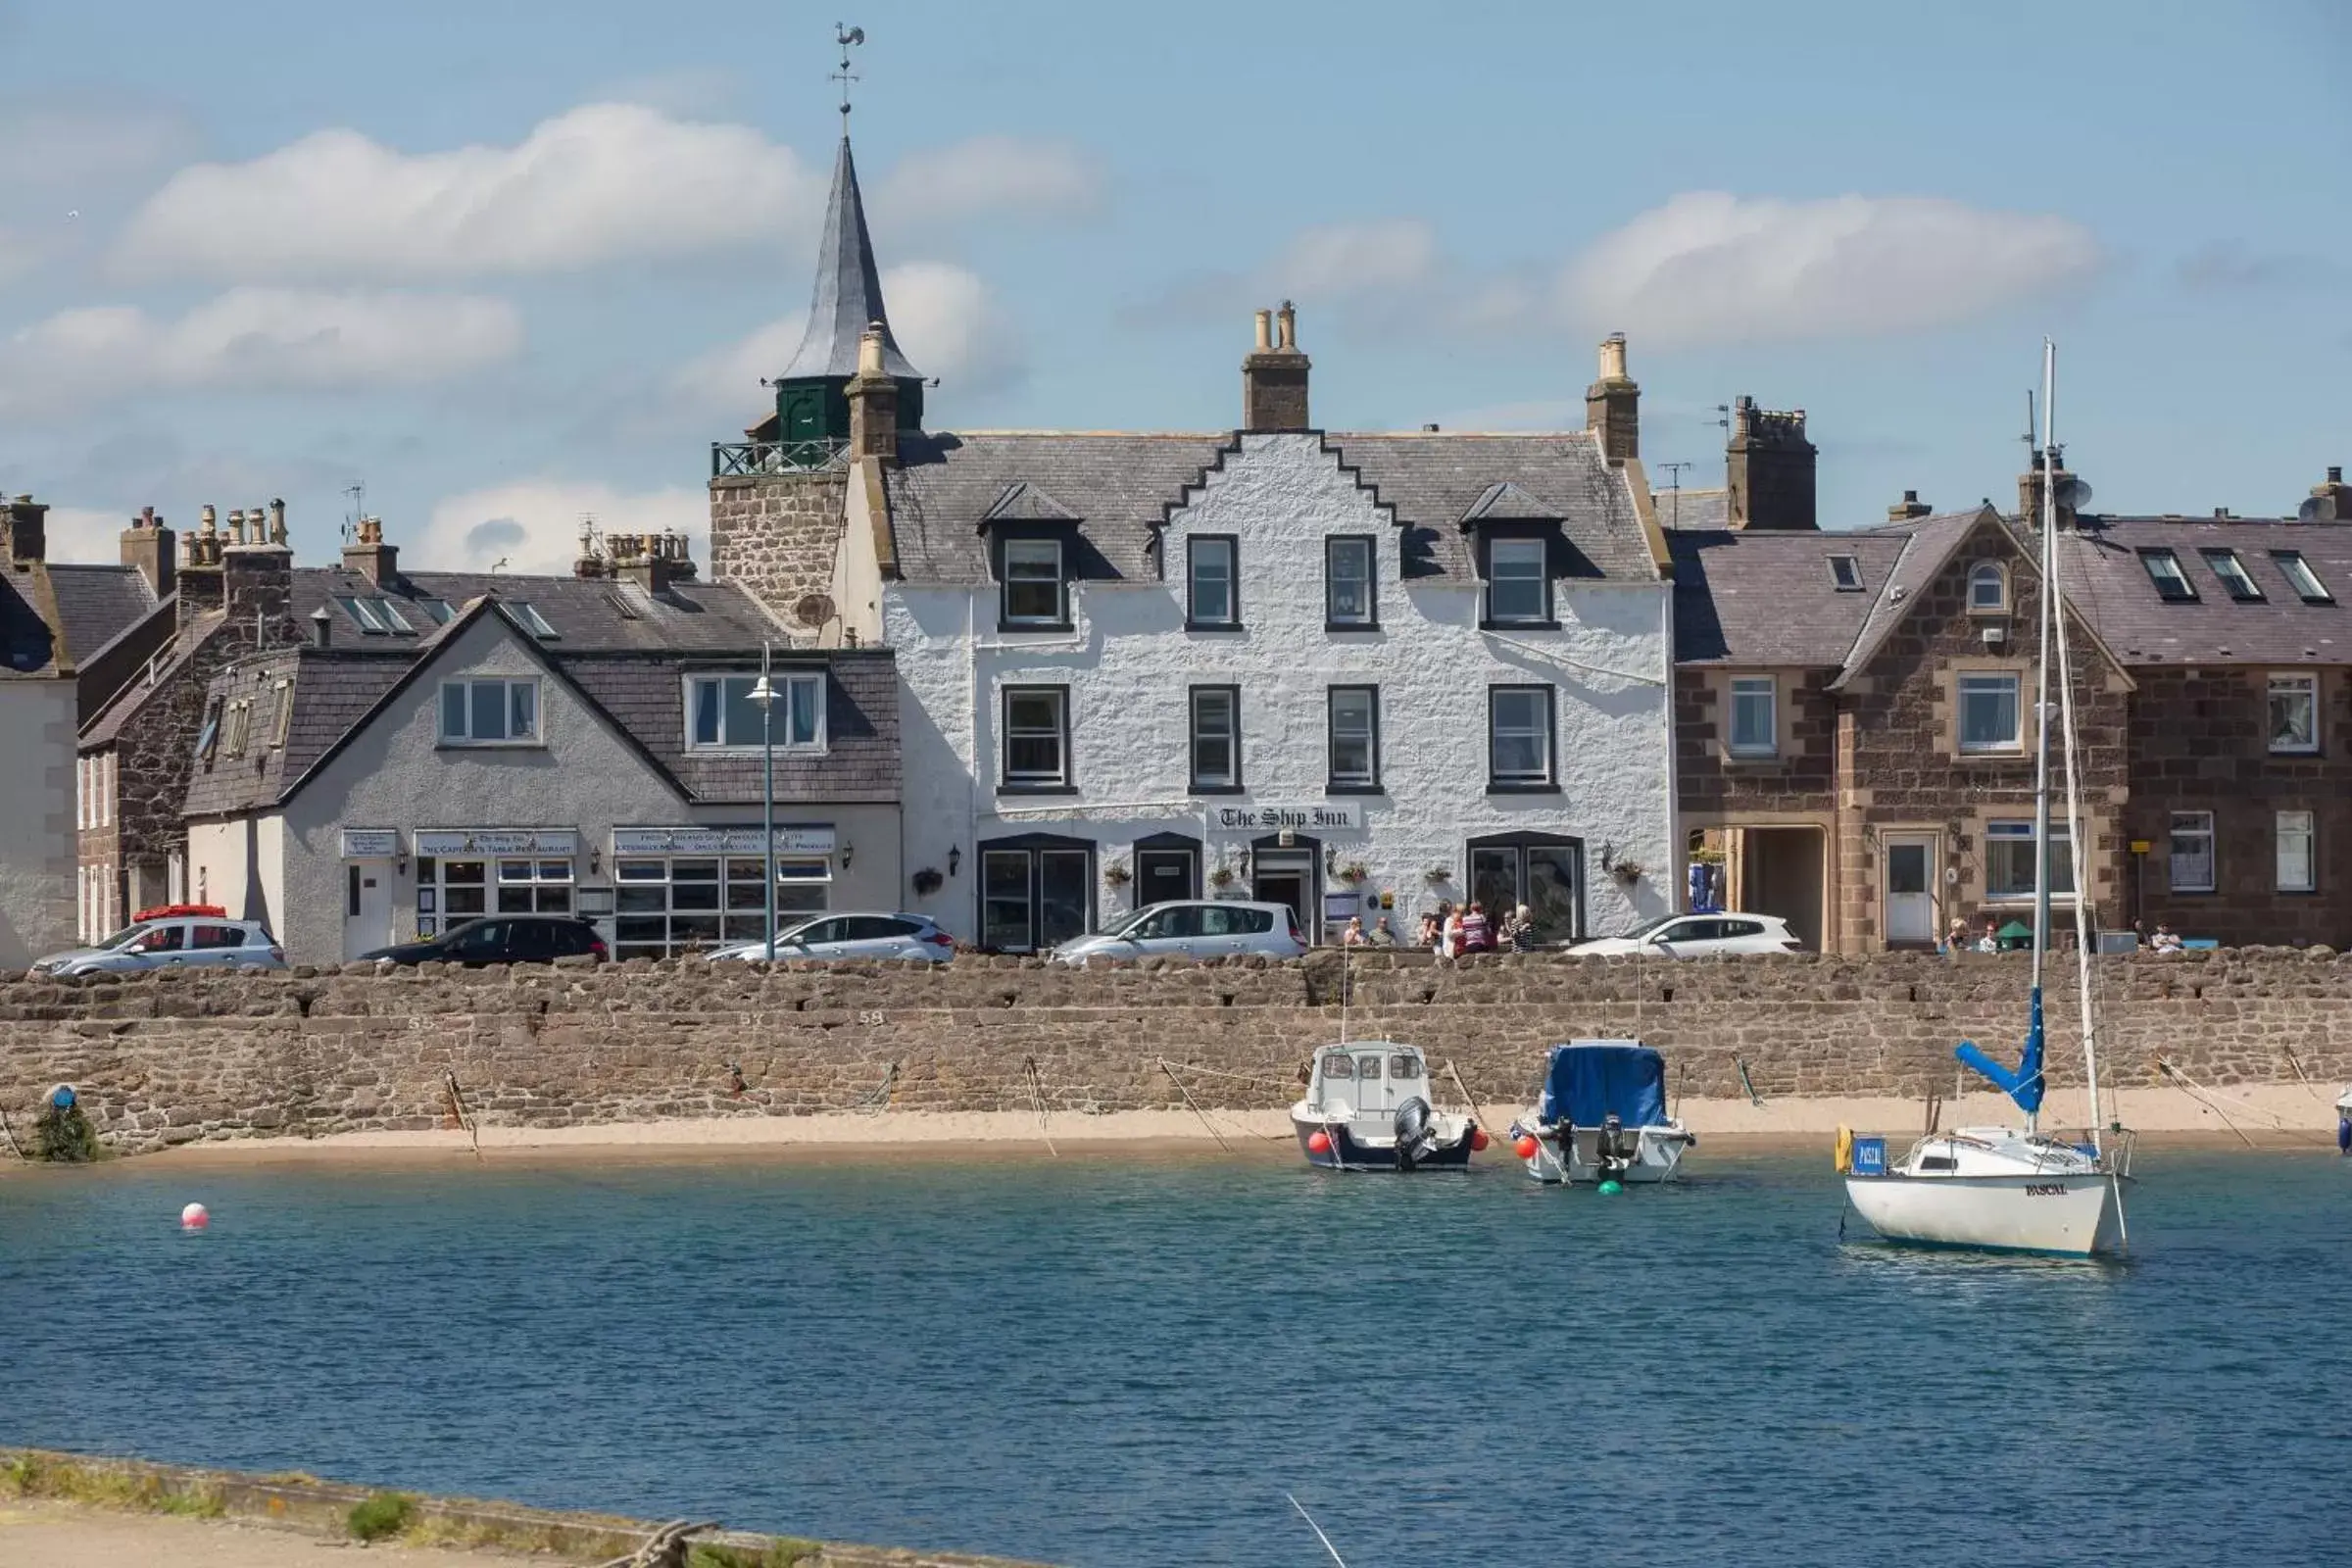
(534, 887)
(1035, 893)
(666, 906)
(1544, 873)
(450, 892)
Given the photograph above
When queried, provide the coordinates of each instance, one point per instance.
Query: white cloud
(1707, 265)
(948, 322)
(257, 339)
(534, 525)
(987, 177)
(597, 183)
(1341, 261)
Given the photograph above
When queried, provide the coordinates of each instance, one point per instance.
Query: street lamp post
(765, 694)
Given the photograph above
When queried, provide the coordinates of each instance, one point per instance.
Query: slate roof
(588, 614)
(1121, 486)
(640, 691)
(1929, 543)
(2100, 567)
(848, 289)
(1692, 509)
(98, 604)
(107, 724)
(1757, 598)
(29, 647)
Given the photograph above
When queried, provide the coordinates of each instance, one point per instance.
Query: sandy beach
(2269, 1115)
(42, 1531)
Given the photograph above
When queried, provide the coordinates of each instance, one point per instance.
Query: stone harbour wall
(168, 1059)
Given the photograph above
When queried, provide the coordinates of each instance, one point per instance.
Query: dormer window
(2164, 570)
(1518, 582)
(1845, 574)
(1988, 589)
(1035, 591)
(2233, 574)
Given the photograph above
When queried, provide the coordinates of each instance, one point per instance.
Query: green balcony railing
(777, 457)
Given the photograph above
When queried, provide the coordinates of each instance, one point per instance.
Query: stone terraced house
(1352, 674)
(445, 744)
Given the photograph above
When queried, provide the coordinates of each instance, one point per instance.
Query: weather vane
(846, 36)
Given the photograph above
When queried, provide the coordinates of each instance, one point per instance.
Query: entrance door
(1910, 888)
(366, 907)
(1287, 877)
(1161, 875)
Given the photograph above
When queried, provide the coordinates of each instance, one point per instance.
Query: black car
(499, 939)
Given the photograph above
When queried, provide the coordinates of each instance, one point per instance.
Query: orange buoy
(1318, 1142)
(1526, 1147)
(1478, 1138)
(194, 1217)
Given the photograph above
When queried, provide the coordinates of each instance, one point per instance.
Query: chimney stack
(27, 523)
(2334, 498)
(1768, 469)
(1274, 376)
(1908, 508)
(652, 561)
(1613, 403)
(590, 562)
(148, 545)
(873, 399)
(371, 558)
(2029, 496)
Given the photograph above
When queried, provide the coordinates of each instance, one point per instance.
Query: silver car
(898, 938)
(1193, 928)
(174, 942)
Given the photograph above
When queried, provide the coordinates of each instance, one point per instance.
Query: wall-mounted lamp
(1608, 856)
(596, 861)
(955, 858)
(1331, 859)
(400, 865)
(849, 853)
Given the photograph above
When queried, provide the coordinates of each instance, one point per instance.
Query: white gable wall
(1130, 662)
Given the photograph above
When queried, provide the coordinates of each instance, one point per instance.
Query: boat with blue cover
(1367, 1107)
(1602, 1118)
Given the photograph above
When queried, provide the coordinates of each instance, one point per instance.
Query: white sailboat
(2007, 1187)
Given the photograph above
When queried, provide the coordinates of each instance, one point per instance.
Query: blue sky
(507, 262)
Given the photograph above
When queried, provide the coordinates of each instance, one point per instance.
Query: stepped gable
(2099, 565)
(1432, 481)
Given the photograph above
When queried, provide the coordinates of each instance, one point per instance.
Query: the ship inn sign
(1336, 816)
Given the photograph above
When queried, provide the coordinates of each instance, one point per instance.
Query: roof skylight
(2164, 569)
(1846, 573)
(2233, 574)
(532, 621)
(2301, 579)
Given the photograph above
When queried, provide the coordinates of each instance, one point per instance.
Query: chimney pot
(2336, 474)
(869, 350)
(1428, 429)
(322, 629)
(1613, 403)
(1612, 356)
(278, 521)
(1286, 328)
(207, 515)
(236, 527)
(1265, 332)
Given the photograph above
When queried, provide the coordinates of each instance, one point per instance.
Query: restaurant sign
(1325, 816)
(792, 838)
(498, 841)
(370, 843)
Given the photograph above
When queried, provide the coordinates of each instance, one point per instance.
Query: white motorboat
(1367, 1107)
(2003, 1187)
(1602, 1118)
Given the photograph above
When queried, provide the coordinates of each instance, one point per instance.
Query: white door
(366, 907)
(1911, 888)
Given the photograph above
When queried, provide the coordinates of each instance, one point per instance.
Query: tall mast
(2041, 676)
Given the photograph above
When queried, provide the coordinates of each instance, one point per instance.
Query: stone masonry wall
(777, 535)
(168, 1059)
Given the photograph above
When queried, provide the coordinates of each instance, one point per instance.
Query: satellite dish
(2074, 493)
(813, 610)
(2310, 511)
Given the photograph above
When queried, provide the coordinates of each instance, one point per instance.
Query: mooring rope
(2205, 1096)
(1197, 1110)
(1037, 1095)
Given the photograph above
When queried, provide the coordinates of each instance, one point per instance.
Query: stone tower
(778, 501)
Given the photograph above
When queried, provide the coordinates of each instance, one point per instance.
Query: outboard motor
(1416, 1133)
(1610, 1154)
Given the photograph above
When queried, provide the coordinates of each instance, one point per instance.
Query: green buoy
(1609, 1186)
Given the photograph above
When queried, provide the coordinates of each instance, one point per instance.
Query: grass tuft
(386, 1513)
(784, 1552)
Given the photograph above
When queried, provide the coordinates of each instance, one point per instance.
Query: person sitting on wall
(2165, 940)
(1384, 935)
(1990, 940)
(1354, 936)
(1955, 936)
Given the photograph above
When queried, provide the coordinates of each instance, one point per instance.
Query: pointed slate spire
(849, 292)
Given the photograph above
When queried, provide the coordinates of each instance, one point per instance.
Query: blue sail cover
(2023, 1084)
(1589, 1079)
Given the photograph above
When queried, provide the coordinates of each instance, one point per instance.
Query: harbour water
(1106, 1361)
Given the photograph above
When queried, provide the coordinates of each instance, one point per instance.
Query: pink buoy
(194, 1217)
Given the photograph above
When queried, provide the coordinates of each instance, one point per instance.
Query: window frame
(1731, 730)
(2300, 576)
(2175, 832)
(2309, 833)
(2229, 569)
(2174, 587)
(784, 679)
(1007, 620)
(1548, 619)
(2016, 743)
(2307, 683)
(2060, 851)
(1997, 573)
(282, 721)
(362, 614)
(1852, 569)
(1370, 620)
(1548, 782)
(1333, 782)
(538, 726)
(1063, 781)
(532, 621)
(1231, 545)
(1204, 784)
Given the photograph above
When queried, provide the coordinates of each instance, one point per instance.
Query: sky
(508, 265)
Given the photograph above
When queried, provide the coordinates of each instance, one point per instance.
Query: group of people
(1957, 940)
(1451, 930)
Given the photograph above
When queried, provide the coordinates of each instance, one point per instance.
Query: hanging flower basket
(1355, 871)
(928, 881)
(1628, 872)
(1221, 877)
(1116, 875)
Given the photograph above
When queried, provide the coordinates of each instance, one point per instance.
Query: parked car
(176, 936)
(499, 939)
(1700, 936)
(1193, 928)
(899, 936)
